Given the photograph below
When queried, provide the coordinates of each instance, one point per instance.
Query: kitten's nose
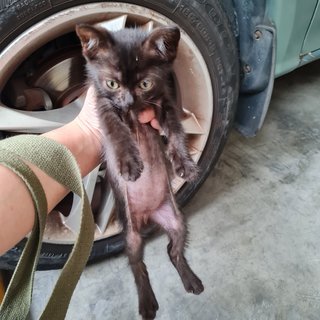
(127, 100)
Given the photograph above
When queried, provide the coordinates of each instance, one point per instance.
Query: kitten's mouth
(118, 109)
(121, 112)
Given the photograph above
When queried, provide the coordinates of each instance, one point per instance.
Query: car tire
(207, 25)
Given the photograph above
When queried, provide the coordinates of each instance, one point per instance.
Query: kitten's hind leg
(171, 220)
(148, 304)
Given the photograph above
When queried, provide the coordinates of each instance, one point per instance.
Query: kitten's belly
(150, 190)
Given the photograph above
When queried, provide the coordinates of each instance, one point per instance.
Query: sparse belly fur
(150, 190)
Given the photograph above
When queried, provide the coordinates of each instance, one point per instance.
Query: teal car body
(297, 39)
(274, 37)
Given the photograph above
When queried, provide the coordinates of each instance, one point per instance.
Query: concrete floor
(254, 230)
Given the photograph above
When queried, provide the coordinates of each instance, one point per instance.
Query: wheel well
(255, 36)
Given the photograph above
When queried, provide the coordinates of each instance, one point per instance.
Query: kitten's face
(130, 67)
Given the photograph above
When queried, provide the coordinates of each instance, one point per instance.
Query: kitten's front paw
(193, 284)
(148, 307)
(131, 167)
(185, 168)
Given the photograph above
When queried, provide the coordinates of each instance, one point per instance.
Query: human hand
(148, 116)
(88, 118)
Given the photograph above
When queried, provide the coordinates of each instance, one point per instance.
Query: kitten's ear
(162, 43)
(93, 39)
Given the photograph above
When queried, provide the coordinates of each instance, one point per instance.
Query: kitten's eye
(146, 84)
(113, 84)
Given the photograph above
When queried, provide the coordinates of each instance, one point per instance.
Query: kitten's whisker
(154, 75)
(153, 103)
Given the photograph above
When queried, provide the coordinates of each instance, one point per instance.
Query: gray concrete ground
(254, 229)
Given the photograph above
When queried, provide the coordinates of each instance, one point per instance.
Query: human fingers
(146, 115)
(155, 124)
(88, 118)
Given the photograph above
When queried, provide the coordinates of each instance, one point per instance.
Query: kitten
(131, 69)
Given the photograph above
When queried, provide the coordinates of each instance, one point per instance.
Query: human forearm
(16, 206)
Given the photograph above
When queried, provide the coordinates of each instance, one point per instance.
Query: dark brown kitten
(131, 69)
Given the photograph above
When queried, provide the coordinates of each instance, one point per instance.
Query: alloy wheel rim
(191, 74)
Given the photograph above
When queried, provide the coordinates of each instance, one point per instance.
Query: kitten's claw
(131, 167)
(185, 168)
(194, 286)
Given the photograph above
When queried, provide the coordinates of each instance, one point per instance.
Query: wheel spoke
(148, 26)
(72, 221)
(107, 204)
(114, 24)
(190, 123)
(176, 183)
(37, 121)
